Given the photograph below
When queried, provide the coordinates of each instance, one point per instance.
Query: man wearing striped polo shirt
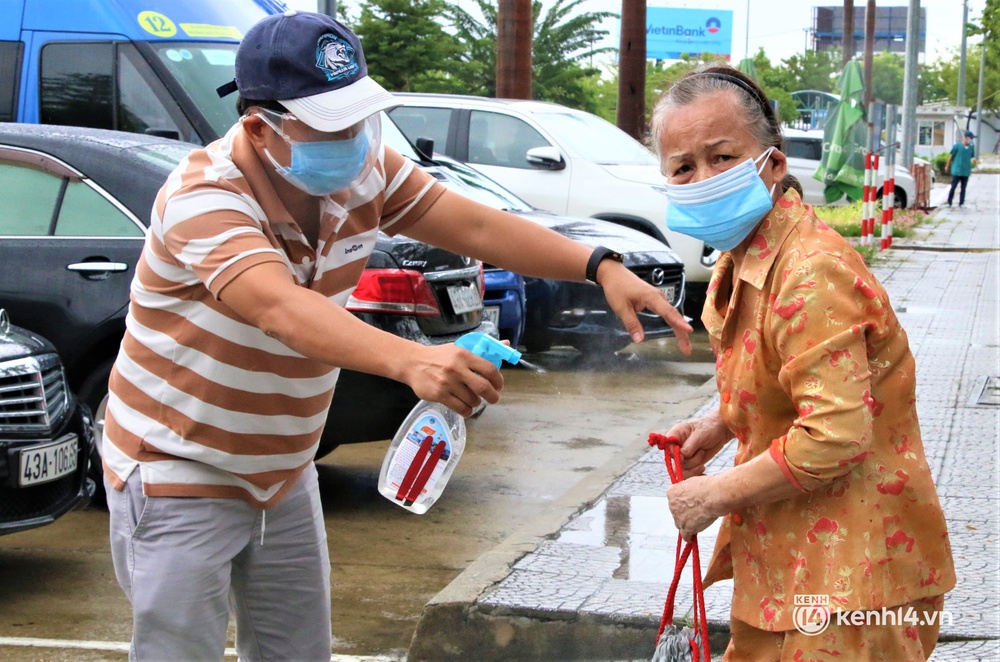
(237, 332)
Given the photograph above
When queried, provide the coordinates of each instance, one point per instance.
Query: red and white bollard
(868, 199)
(888, 205)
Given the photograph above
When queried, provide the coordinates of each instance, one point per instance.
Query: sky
(781, 27)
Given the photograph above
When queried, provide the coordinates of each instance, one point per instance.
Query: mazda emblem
(658, 276)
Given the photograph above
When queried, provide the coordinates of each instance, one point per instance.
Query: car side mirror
(425, 148)
(545, 158)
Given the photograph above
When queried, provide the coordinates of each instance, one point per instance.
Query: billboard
(672, 32)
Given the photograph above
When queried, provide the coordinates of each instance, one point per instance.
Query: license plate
(669, 291)
(41, 464)
(464, 299)
(492, 314)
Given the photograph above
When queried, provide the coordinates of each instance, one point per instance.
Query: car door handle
(97, 267)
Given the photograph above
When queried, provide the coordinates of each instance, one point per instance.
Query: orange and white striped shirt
(204, 403)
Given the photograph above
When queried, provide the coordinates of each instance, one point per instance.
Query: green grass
(846, 219)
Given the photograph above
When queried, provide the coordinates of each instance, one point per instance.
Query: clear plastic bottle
(426, 449)
(410, 455)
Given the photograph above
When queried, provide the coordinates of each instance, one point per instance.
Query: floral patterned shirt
(814, 368)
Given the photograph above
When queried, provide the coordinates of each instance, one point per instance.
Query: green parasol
(747, 66)
(845, 136)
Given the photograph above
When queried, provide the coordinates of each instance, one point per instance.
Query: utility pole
(848, 32)
(869, 50)
(632, 69)
(910, 74)
(514, 49)
(328, 7)
(960, 101)
(979, 95)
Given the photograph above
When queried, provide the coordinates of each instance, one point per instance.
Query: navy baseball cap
(311, 64)
(970, 134)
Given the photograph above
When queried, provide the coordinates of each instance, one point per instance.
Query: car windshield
(199, 68)
(480, 188)
(595, 139)
(393, 137)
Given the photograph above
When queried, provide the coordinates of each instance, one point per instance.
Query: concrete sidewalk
(590, 584)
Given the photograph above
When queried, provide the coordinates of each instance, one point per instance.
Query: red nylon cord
(671, 447)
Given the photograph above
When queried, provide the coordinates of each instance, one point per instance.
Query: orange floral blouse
(814, 368)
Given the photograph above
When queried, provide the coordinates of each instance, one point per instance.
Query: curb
(454, 626)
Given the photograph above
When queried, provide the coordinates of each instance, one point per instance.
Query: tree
(561, 46)
(989, 27)
(813, 70)
(887, 77)
(406, 46)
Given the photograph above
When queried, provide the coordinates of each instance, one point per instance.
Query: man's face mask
(324, 163)
(721, 210)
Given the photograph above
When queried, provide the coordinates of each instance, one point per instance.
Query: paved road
(578, 422)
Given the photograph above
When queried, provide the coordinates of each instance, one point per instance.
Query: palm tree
(561, 46)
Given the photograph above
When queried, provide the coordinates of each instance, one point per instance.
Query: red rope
(671, 447)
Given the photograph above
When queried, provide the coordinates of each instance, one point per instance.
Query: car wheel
(536, 339)
(96, 472)
(94, 393)
(899, 198)
(94, 388)
(603, 345)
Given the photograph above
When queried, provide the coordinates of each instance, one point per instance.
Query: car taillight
(398, 291)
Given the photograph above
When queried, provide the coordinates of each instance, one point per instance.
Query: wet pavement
(591, 585)
(555, 441)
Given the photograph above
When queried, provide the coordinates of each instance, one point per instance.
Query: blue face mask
(324, 167)
(721, 210)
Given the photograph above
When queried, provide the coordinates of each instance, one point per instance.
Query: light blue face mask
(324, 167)
(721, 210)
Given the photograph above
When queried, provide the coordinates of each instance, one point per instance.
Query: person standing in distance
(237, 332)
(961, 161)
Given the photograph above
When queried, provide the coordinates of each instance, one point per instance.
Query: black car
(46, 434)
(74, 206)
(570, 313)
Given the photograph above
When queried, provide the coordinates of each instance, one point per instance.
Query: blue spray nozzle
(489, 348)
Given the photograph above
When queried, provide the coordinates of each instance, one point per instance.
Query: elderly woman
(831, 494)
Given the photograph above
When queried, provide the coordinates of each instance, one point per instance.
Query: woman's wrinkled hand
(692, 503)
(701, 439)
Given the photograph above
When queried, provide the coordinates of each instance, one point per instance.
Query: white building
(941, 124)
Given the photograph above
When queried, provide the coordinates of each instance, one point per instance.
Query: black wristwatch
(601, 253)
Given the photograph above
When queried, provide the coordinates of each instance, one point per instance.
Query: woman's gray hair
(759, 116)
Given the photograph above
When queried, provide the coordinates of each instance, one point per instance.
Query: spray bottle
(427, 447)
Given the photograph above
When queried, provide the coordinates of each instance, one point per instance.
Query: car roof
(130, 166)
(525, 105)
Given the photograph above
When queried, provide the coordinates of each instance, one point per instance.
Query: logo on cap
(335, 57)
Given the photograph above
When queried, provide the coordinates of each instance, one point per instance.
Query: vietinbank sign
(672, 32)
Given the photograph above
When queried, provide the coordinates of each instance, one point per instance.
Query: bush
(940, 163)
(846, 219)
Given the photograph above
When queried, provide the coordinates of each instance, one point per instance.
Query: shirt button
(737, 519)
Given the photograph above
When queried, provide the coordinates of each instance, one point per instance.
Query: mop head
(674, 645)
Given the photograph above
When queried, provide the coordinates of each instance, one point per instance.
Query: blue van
(143, 66)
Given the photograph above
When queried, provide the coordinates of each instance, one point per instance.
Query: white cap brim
(337, 110)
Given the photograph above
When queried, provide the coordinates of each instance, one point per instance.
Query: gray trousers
(185, 563)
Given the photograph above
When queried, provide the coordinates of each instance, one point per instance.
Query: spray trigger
(489, 348)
